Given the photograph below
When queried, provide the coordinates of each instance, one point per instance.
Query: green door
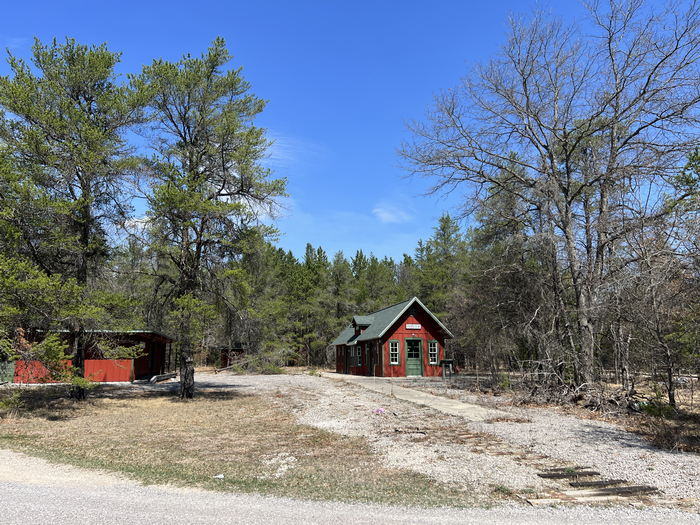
(413, 360)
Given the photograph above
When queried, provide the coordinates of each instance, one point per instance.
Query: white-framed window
(359, 355)
(394, 352)
(432, 352)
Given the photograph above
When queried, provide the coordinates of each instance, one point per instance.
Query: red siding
(99, 370)
(429, 331)
(340, 358)
(33, 372)
(358, 370)
(107, 370)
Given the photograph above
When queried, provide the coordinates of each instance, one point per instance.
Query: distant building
(405, 339)
(228, 355)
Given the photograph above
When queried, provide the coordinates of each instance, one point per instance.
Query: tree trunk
(186, 377)
(670, 385)
(78, 362)
(186, 362)
(81, 275)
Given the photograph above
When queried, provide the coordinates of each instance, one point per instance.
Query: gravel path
(34, 491)
(352, 410)
(609, 449)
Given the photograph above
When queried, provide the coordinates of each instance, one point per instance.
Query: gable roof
(381, 321)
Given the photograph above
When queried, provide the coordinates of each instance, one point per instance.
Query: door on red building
(414, 367)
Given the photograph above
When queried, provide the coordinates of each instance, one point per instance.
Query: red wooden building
(405, 339)
(154, 359)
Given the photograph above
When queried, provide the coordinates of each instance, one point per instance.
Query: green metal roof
(381, 321)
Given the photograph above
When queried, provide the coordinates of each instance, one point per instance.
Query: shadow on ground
(53, 402)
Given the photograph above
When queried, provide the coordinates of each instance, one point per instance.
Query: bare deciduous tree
(588, 127)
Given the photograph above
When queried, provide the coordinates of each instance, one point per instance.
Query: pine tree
(207, 183)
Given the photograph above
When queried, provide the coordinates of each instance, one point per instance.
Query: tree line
(575, 149)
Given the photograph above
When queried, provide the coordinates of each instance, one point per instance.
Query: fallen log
(162, 377)
(634, 490)
(610, 492)
(238, 363)
(602, 483)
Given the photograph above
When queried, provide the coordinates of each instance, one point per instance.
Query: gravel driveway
(607, 448)
(349, 409)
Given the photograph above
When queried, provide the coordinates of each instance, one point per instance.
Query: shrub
(657, 408)
(11, 404)
(504, 381)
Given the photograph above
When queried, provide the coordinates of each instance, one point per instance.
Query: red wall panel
(108, 370)
(100, 370)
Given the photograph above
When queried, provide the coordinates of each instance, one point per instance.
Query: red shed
(154, 359)
(405, 339)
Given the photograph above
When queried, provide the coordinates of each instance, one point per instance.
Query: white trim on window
(359, 355)
(433, 352)
(394, 357)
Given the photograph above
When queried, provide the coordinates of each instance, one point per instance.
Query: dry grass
(681, 431)
(256, 446)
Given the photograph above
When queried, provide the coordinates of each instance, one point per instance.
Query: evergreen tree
(207, 183)
(65, 162)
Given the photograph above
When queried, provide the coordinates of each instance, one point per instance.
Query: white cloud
(287, 151)
(391, 214)
(136, 225)
(14, 43)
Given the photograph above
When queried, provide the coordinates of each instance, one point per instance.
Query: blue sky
(342, 80)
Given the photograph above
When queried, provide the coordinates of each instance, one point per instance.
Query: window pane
(412, 349)
(433, 352)
(394, 352)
